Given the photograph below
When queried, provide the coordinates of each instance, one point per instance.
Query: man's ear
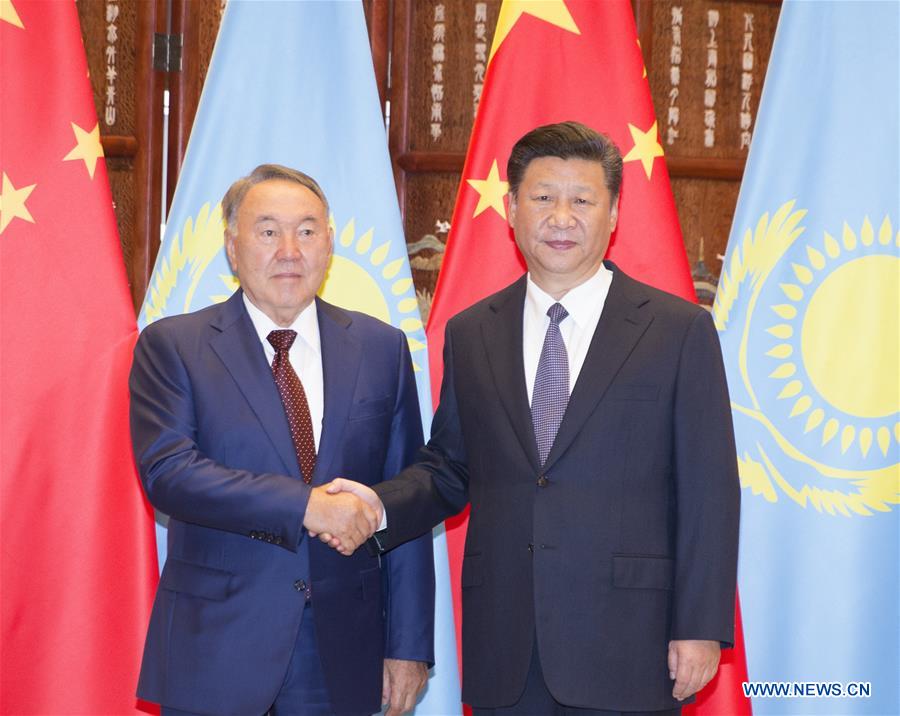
(512, 208)
(614, 215)
(230, 250)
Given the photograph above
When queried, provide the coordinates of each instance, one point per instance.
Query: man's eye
(306, 232)
(268, 233)
(542, 197)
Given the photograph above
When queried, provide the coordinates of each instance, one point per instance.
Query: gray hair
(233, 198)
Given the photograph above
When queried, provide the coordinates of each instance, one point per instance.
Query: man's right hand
(341, 485)
(345, 518)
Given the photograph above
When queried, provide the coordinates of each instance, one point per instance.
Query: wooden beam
(702, 168)
(682, 167)
(119, 146)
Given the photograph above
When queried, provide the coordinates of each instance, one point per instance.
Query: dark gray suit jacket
(625, 539)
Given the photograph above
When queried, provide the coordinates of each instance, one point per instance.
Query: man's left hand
(403, 681)
(692, 664)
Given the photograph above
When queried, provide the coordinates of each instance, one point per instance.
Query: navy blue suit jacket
(214, 453)
(624, 539)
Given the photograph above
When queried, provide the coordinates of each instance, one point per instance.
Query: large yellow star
(87, 147)
(553, 11)
(12, 203)
(490, 192)
(646, 147)
(8, 13)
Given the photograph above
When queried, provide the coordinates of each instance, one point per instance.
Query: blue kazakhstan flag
(808, 309)
(292, 83)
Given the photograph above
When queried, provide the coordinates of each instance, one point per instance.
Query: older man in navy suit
(240, 412)
(586, 418)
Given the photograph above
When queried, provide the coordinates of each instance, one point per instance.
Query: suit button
(278, 540)
(530, 547)
(254, 535)
(300, 585)
(543, 481)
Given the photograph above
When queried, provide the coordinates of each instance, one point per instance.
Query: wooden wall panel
(430, 197)
(705, 207)
(683, 40)
(691, 62)
(197, 22)
(440, 49)
(378, 23)
(118, 36)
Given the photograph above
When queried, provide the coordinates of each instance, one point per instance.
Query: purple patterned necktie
(295, 404)
(551, 384)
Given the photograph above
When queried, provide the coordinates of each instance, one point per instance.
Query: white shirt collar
(580, 302)
(306, 325)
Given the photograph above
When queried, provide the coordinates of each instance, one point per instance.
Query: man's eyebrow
(554, 185)
(268, 217)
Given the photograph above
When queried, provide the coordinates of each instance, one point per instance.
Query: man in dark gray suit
(586, 418)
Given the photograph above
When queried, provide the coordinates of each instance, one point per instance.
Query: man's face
(281, 247)
(562, 217)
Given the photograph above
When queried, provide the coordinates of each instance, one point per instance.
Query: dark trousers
(303, 692)
(537, 700)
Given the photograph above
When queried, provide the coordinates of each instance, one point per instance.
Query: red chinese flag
(551, 62)
(78, 561)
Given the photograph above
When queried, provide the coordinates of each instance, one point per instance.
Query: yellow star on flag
(553, 11)
(8, 14)
(87, 147)
(12, 202)
(646, 147)
(643, 64)
(490, 192)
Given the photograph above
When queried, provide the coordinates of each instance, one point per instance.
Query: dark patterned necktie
(295, 404)
(551, 384)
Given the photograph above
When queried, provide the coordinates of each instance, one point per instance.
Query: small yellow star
(87, 147)
(12, 203)
(646, 147)
(8, 13)
(643, 64)
(490, 192)
(553, 11)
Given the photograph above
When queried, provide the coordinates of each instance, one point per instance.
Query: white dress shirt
(584, 304)
(305, 355)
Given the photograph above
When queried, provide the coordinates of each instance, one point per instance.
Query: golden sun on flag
(838, 342)
(820, 345)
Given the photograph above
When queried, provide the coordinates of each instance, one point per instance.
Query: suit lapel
(502, 335)
(238, 347)
(621, 325)
(341, 357)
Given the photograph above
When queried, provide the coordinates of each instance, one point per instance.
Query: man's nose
(561, 215)
(288, 246)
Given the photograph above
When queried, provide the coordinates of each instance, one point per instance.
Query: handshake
(343, 514)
